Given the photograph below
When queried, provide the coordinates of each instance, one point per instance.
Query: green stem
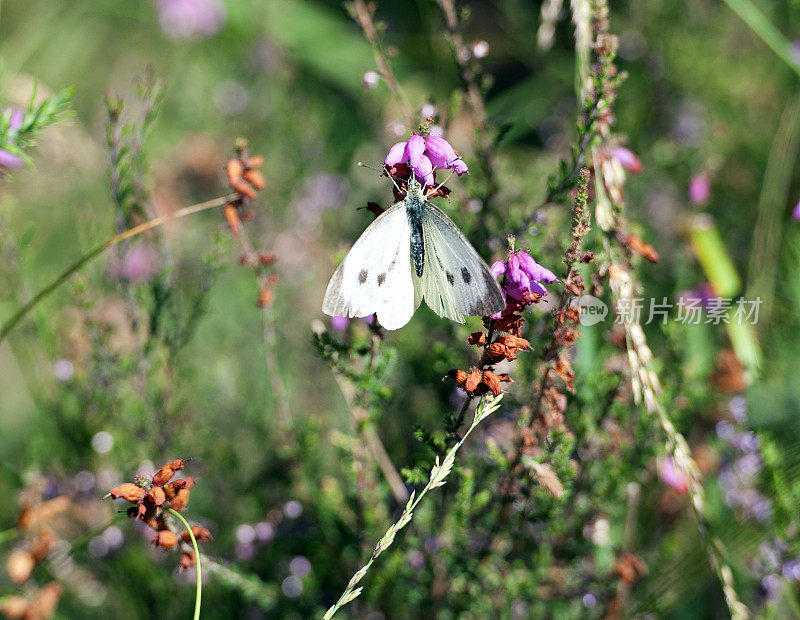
(766, 31)
(132, 232)
(198, 596)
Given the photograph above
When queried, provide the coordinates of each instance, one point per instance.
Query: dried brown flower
(128, 491)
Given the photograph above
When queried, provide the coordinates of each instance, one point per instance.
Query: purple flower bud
(796, 212)
(672, 476)
(424, 170)
(534, 270)
(513, 272)
(9, 160)
(415, 151)
(699, 189)
(521, 293)
(339, 323)
(459, 167)
(791, 570)
(627, 158)
(396, 154)
(440, 152)
(498, 268)
(497, 315)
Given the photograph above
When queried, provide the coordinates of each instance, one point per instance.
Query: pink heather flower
(396, 154)
(141, 264)
(339, 323)
(426, 155)
(183, 19)
(796, 212)
(699, 189)
(628, 159)
(415, 151)
(522, 277)
(9, 160)
(672, 476)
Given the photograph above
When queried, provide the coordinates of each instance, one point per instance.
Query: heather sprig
(437, 477)
(20, 129)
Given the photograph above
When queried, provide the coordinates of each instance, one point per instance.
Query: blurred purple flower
(796, 212)
(183, 19)
(700, 189)
(791, 570)
(672, 476)
(8, 160)
(628, 159)
(140, 264)
(424, 155)
(522, 277)
(772, 585)
(340, 322)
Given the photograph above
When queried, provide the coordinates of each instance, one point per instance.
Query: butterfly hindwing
(455, 279)
(375, 276)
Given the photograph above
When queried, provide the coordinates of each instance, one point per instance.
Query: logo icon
(592, 310)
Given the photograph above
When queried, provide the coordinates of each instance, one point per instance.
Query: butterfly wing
(375, 276)
(455, 279)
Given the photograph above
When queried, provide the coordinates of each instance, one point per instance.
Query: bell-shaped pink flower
(440, 152)
(534, 270)
(628, 159)
(415, 151)
(396, 154)
(424, 170)
(498, 268)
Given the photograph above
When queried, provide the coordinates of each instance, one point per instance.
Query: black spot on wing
(450, 278)
(381, 278)
(465, 275)
(362, 276)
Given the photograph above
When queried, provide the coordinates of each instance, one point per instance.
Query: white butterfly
(411, 252)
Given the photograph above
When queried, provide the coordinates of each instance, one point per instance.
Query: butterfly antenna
(382, 171)
(436, 189)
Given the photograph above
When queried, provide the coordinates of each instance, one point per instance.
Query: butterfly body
(411, 252)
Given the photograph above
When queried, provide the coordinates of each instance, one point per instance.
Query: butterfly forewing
(455, 280)
(375, 276)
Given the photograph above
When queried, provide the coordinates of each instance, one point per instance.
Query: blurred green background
(704, 98)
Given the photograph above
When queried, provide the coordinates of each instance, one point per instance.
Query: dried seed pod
(201, 534)
(19, 565)
(477, 339)
(165, 474)
(265, 297)
(548, 478)
(181, 498)
(14, 606)
(244, 188)
(492, 381)
(255, 178)
(155, 497)
(234, 170)
(256, 161)
(498, 351)
(128, 491)
(472, 381)
(173, 487)
(166, 539)
(46, 601)
(460, 376)
(187, 560)
(232, 217)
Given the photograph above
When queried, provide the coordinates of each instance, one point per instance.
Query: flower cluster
(423, 156)
(151, 496)
(521, 285)
(245, 178)
(482, 379)
(184, 19)
(9, 160)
